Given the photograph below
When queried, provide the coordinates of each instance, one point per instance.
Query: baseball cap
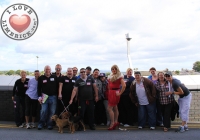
(102, 75)
(88, 68)
(137, 72)
(168, 73)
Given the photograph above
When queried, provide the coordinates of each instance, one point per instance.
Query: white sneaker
(126, 125)
(102, 124)
(139, 127)
(28, 126)
(108, 123)
(152, 128)
(33, 125)
(22, 125)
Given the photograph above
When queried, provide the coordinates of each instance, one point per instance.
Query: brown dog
(76, 120)
(61, 123)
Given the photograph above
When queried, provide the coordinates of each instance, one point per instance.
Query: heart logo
(19, 24)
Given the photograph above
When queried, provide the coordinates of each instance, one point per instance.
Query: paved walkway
(9, 131)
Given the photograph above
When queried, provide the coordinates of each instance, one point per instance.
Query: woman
(102, 77)
(143, 94)
(126, 116)
(166, 102)
(176, 87)
(18, 98)
(115, 80)
(154, 77)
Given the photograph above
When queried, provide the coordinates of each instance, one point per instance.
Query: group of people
(111, 100)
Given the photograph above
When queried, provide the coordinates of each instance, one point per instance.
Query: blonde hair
(114, 77)
(22, 71)
(128, 70)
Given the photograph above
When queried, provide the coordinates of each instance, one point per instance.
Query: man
(58, 69)
(31, 100)
(75, 70)
(153, 77)
(47, 85)
(66, 86)
(18, 98)
(176, 87)
(84, 86)
(88, 72)
(143, 94)
(99, 111)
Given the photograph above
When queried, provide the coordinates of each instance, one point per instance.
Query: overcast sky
(165, 34)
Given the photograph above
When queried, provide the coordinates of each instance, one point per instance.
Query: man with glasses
(143, 94)
(176, 87)
(58, 69)
(88, 72)
(84, 86)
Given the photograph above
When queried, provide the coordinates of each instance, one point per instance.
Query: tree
(18, 72)
(27, 72)
(177, 72)
(42, 73)
(10, 72)
(196, 66)
(107, 73)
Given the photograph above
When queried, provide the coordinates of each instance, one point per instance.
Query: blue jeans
(47, 111)
(150, 110)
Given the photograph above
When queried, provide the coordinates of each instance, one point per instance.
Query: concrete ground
(9, 131)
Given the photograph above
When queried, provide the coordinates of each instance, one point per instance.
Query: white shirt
(141, 93)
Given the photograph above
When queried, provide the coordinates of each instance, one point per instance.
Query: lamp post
(128, 50)
(37, 61)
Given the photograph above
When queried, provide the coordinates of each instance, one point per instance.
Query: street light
(128, 50)
(37, 61)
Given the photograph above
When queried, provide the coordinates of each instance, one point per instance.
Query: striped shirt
(162, 88)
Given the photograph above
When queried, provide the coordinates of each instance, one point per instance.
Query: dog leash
(65, 108)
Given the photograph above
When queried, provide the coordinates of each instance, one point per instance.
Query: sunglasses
(82, 72)
(57, 69)
(114, 69)
(167, 75)
(74, 70)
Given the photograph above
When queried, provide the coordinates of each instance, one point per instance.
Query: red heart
(19, 24)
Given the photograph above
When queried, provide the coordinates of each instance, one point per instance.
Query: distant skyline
(165, 34)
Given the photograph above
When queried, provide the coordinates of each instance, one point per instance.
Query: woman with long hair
(166, 102)
(115, 81)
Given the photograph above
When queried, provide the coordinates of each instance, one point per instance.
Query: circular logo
(19, 21)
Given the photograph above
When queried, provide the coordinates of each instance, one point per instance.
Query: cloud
(165, 34)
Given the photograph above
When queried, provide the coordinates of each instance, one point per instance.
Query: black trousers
(159, 116)
(31, 106)
(166, 112)
(87, 106)
(100, 112)
(128, 112)
(19, 102)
